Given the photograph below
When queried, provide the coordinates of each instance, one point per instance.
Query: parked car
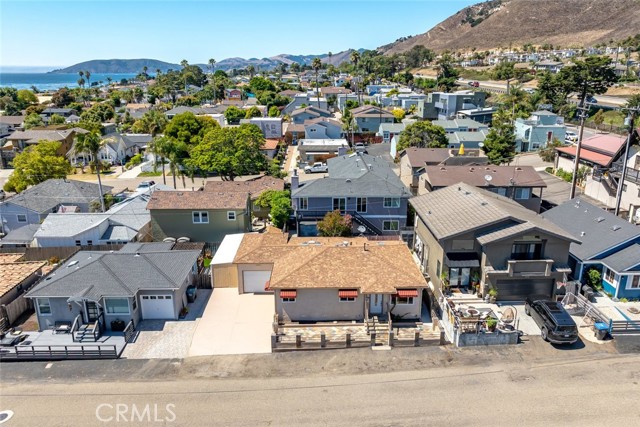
(474, 84)
(317, 167)
(556, 325)
(570, 136)
(360, 147)
(145, 185)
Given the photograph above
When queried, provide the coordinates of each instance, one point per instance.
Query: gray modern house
(360, 185)
(34, 204)
(443, 105)
(92, 289)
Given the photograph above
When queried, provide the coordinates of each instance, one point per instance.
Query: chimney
(365, 247)
(342, 150)
(295, 180)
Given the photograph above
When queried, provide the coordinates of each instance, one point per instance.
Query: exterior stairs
(381, 331)
(86, 333)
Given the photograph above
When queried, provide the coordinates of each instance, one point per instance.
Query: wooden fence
(15, 308)
(60, 252)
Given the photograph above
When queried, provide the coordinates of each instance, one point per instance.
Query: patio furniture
(62, 327)
(508, 318)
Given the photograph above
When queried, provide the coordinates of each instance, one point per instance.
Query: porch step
(380, 347)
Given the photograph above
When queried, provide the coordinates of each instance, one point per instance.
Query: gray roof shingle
(624, 260)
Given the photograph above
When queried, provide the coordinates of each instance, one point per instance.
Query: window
(624, 187)
(526, 251)
(44, 306)
(523, 193)
(361, 204)
(438, 268)
(304, 203)
(22, 218)
(390, 225)
(609, 275)
(391, 202)
(89, 242)
(634, 282)
(462, 245)
(347, 299)
(500, 190)
(402, 300)
(78, 243)
(116, 305)
(200, 217)
(340, 204)
(134, 304)
(288, 299)
(231, 216)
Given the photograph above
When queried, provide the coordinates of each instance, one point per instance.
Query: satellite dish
(362, 229)
(488, 178)
(481, 144)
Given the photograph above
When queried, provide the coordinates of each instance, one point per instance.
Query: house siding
(179, 223)
(9, 216)
(320, 305)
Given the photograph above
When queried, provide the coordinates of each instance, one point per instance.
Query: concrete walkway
(132, 173)
(234, 324)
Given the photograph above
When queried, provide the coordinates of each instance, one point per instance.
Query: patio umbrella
(461, 151)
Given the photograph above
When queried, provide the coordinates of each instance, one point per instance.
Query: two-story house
(322, 128)
(598, 152)
(63, 112)
(301, 115)
(553, 67)
(34, 204)
(443, 105)
(368, 118)
(360, 185)
(610, 245)
(466, 235)
(271, 127)
(304, 100)
(520, 183)
(201, 216)
(541, 128)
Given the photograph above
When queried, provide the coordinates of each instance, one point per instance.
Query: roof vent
(599, 219)
(616, 227)
(137, 253)
(518, 168)
(471, 169)
(348, 180)
(72, 263)
(483, 203)
(443, 169)
(582, 233)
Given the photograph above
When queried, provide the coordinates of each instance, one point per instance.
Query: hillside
(501, 23)
(99, 66)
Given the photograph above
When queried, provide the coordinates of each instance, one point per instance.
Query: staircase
(610, 184)
(381, 331)
(365, 223)
(87, 333)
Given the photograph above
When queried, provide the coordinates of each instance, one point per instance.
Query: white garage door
(157, 307)
(255, 281)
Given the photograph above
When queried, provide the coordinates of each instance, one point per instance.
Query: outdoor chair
(62, 327)
(508, 318)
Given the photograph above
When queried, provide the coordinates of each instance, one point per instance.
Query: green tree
(189, 128)
(548, 153)
(335, 225)
(260, 84)
(234, 114)
(274, 111)
(398, 114)
(447, 73)
(503, 71)
(36, 164)
(91, 144)
(593, 76)
(152, 122)
(62, 97)
(230, 152)
(176, 152)
(279, 203)
(500, 143)
(598, 118)
(423, 135)
(56, 119)
(26, 97)
(253, 112)
(32, 121)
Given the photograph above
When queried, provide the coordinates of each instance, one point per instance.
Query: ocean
(52, 82)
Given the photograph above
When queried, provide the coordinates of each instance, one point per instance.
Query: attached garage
(255, 281)
(519, 290)
(157, 307)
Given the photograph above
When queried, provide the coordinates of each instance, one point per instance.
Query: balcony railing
(524, 268)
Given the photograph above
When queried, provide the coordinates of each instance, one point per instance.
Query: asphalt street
(531, 384)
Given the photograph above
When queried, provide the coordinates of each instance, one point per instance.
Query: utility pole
(630, 118)
(583, 110)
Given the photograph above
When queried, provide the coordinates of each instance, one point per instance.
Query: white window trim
(391, 203)
(390, 221)
(615, 276)
(231, 214)
(304, 206)
(410, 301)
(288, 300)
(50, 313)
(21, 215)
(348, 299)
(366, 205)
(200, 221)
(630, 282)
(339, 198)
(106, 299)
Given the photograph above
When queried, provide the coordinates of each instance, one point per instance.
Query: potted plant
(445, 281)
(475, 278)
(493, 294)
(491, 324)
(183, 312)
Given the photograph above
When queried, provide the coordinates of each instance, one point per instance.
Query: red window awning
(406, 293)
(348, 293)
(288, 294)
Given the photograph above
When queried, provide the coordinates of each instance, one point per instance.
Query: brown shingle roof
(270, 144)
(426, 156)
(255, 187)
(328, 263)
(13, 273)
(198, 200)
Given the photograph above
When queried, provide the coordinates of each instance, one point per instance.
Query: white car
(317, 167)
(570, 136)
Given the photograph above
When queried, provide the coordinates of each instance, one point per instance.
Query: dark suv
(555, 323)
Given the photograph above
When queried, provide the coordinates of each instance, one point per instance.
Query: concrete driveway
(234, 324)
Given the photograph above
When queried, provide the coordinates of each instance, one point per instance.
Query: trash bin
(191, 294)
(601, 330)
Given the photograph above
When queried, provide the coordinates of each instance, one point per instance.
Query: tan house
(323, 279)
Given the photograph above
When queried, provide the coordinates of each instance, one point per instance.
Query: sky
(62, 33)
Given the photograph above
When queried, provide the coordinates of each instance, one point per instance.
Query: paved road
(530, 384)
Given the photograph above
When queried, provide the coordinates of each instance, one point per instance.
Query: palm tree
(109, 79)
(355, 58)
(251, 70)
(87, 74)
(330, 54)
(174, 151)
(81, 74)
(316, 64)
(212, 67)
(91, 144)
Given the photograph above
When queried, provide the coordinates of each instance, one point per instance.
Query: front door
(93, 312)
(464, 276)
(375, 304)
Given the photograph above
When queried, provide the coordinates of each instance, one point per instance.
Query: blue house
(360, 185)
(609, 244)
(538, 130)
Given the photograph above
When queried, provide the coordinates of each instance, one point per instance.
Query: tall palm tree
(87, 74)
(91, 144)
(109, 80)
(316, 64)
(251, 70)
(174, 151)
(330, 55)
(81, 74)
(355, 58)
(212, 67)
(154, 122)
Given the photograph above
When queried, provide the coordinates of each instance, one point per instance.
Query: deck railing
(60, 352)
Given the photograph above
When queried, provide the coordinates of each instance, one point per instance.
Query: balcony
(525, 268)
